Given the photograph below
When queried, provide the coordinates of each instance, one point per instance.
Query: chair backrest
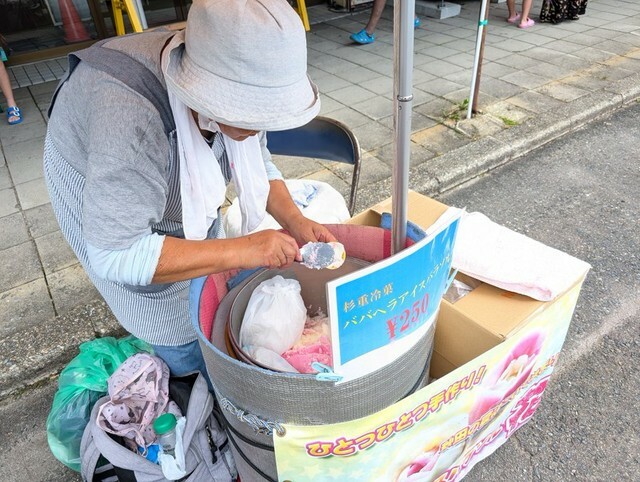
(322, 138)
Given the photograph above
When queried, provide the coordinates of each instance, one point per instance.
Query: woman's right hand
(269, 248)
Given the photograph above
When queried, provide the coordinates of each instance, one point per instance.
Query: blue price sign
(391, 299)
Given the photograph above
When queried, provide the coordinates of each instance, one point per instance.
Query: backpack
(207, 453)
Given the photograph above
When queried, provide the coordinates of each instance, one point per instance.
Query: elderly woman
(143, 137)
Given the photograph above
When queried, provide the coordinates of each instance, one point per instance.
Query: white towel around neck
(202, 184)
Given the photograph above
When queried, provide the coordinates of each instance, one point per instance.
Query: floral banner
(440, 432)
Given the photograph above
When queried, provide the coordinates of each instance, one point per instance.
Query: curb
(33, 356)
(39, 354)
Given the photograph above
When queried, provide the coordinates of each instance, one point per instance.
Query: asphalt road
(579, 194)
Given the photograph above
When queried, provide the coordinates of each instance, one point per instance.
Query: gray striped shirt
(113, 177)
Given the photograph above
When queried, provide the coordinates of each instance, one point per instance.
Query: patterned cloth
(139, 392)
(555, 11)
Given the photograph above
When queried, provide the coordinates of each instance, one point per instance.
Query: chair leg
(302, 11)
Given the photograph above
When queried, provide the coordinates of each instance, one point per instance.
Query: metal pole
(477, 60)
(403, 18)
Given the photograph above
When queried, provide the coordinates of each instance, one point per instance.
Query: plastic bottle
(165, 428)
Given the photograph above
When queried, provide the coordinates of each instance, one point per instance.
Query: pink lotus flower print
(508, 375)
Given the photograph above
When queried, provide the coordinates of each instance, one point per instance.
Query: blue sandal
(14, 116)
(362, 37)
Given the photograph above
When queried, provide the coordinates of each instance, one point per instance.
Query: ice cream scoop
(323, 255)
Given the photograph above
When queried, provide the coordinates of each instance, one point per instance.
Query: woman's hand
(269, 248)
(286, 213)
(305, 230)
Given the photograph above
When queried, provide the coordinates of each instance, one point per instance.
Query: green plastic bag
(82, 382)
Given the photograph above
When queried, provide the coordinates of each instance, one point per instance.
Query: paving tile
(496, 70)
(71, 287)
(550, 71)
(498, 88)
(435, 109)
(333, 65)
(565, 46)
(593, 54)
(418, 121)
(55, 253)
(525, 79)
(437, 38)
(350, 117)
(630, 38)
(440, 68)
(609, 72)
(326, 175)
(14, 231)
(421, 97)
(5, 179)
(515, 46)
(358, 74)
(27, 303)
(18, 265)
(25, 159)
(562, 91)
(381, 85)
(463, 60)
(439, 139)
(417, 154)
(462, 77)
(328, 105)
(518, 61)
(442, 52)
(586, 81)
(438, 86)
(32, 193)
(41, 220)
(627, 63)
(383, 68)
(22, 132)
(371, 170)
(329, 83)
(8, 202)
(536, 102)
(481, 126)
(375, 108)
(295, 167)
(355, 55)
(615, 47)
(463, 45)
(585, 39)
(495, 53)
(506, 111)
(372, 135)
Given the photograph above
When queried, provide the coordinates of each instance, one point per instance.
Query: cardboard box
(477, 322)
(494, 354)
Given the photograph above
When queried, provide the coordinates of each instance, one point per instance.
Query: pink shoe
(527, 24)
(514, 19)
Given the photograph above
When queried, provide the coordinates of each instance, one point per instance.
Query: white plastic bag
(275, 315)
(174, 468)
(317, 200)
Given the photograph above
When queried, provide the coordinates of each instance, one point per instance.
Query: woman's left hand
(304, 230)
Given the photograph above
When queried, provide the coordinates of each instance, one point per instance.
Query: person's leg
(183, 359)
(376, 13)
(525, 21)
(5, 86)
(511, 6)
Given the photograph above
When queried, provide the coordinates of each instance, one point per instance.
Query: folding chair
(322, 138)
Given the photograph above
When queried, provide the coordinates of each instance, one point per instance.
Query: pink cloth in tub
(313, 346)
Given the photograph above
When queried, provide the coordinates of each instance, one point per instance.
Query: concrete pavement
(537, 84)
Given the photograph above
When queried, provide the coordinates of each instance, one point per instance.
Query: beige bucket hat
(244, 63)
